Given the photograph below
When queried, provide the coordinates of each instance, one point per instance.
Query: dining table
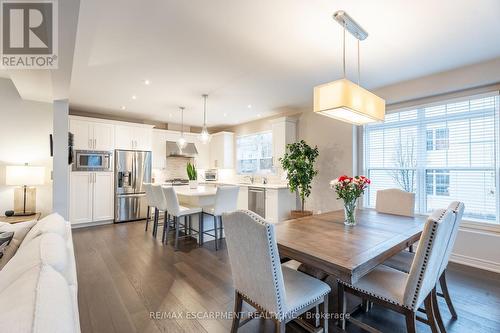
(326, 246)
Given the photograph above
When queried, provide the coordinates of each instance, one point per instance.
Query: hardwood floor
(128, 282)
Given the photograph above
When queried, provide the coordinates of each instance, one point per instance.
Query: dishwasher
(257, 200)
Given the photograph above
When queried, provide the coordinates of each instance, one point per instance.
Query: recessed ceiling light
(258, 115)
(147, 82)
(134, 97)
(225, 114)
(123, 107)
(249, 106)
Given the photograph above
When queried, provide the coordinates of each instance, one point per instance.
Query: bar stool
(160, 205)
(177, 211)
(151, 203)
(226, 201)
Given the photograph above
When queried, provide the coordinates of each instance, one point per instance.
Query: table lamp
(25, 196)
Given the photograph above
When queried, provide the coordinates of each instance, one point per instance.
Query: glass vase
(350, 213)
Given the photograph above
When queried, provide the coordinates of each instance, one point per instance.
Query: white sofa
(38, 286)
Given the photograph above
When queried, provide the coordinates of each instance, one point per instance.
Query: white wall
(24, 138)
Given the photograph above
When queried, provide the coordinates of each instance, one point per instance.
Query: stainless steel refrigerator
(132, 169)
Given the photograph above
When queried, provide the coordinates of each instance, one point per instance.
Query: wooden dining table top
(325, 243)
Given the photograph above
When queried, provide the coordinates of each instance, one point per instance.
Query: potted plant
(349, 189)
(192, 175)
(298, 162)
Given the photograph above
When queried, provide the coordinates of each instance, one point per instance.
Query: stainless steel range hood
(188, 151)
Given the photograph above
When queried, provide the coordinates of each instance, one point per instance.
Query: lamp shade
(347, 101)
(21, 175)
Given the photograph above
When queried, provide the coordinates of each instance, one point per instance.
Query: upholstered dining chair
(405, 292)
(179, 212)
(395, 201)
(275, 291)
(226, 200)
(151, 203)
(403, 261)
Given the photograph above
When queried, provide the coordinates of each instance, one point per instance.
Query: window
(444, 152)
(254, 153)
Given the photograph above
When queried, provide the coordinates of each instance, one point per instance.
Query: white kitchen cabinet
(279, 203)
(91, 135)
(222, 150)
(131, 137)
(81, 192)
(103, 196)
(284, 132)
(91, 197)
(202, 160)
(243, 198)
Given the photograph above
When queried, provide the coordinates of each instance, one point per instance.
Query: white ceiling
(268, 54)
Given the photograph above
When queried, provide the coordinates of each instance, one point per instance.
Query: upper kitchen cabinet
(133, 137)
(222, 150)
(284, 132)
(202, 160)
(91, 135)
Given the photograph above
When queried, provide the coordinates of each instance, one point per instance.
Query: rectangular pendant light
(347, 101)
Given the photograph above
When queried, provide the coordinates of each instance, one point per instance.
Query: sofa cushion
(52, 223)
(20, 230)
(48, 249)
(38, 301)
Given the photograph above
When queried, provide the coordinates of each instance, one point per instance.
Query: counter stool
(177, 212)
(226, 200)
(161, 205)
(151, 203)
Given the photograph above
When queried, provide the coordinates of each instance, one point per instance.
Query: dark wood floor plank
(124, 275)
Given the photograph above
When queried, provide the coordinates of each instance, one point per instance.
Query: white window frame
(259, 172)
(468, 225)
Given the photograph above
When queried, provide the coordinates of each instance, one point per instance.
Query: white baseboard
(476, 262)
(90, 224)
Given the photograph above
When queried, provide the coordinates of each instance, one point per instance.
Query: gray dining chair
(275, 291)
(403, 260)
(226, 201)
(405, 292)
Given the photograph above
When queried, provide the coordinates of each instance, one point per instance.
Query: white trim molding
(475, 262)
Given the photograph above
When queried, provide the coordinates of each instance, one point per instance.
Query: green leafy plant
(191, 171)
(298, 162)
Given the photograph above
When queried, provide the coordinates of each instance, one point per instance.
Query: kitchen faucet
(251, 178)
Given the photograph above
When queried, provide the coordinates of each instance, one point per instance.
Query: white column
(60, 190)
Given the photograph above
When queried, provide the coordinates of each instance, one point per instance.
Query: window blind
(442, 153)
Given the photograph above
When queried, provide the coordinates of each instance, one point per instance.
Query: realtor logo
(29, 38)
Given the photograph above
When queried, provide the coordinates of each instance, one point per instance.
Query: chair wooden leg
(147, 217)
(176, 240)
(429, 310)
(200, 229)
(341, 305)
(280, 326)
(446, 294)
(165, 223)
(238, 304)
(324, 314)
(411, 324)
(435, 306)
(215, 233)
(166, 228)
(155, 222)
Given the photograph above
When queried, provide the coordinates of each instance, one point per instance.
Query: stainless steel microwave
(92, 160)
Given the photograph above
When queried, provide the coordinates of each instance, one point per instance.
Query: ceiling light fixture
(345, 100)
(134, 97)
(249, 106)
(147, 82)
(204, 135)
(123, 107)
(181, 142)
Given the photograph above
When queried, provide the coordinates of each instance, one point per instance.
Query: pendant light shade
(345, 100)
(181, 142)
(204, 135)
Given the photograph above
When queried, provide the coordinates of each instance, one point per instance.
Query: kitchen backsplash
(175, 168)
